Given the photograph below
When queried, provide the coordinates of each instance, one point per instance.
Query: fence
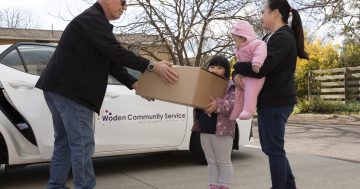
(341, 84)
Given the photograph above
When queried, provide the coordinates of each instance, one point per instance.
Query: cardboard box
(195, 87)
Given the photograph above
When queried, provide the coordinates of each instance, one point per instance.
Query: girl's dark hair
(222, 61)
(284, 8)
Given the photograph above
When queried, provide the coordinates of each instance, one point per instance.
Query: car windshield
(3, 48)
(36, 57)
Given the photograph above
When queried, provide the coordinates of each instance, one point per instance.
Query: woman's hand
(238, 82)
(212, 107)
(255, 68)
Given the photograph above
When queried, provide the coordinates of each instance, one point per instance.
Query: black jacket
(86, 54)
(279, 69)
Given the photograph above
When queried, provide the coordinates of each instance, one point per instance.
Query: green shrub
(320, 106)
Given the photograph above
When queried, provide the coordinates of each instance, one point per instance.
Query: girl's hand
(239, 84)
(212, 107)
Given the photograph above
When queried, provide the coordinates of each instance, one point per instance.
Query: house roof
(54, 36)
(138, 39)
(29, 34)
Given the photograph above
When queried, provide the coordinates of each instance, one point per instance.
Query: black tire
(4, 158)
(236, 139)
(196, 150)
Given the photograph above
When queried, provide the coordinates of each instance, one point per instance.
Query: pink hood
(244, 29)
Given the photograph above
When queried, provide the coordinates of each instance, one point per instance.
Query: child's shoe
(245, 115)
(213, 187)
(224, 187)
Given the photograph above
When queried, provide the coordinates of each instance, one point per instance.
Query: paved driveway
(307, 143)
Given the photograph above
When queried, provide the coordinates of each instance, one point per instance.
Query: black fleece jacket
(86, 54)
(279, 69)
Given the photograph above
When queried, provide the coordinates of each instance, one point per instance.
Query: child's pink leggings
(246, 100)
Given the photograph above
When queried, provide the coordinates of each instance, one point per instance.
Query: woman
(278, 97)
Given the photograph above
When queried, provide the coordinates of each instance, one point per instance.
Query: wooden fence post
(346, 73)
(309, 83)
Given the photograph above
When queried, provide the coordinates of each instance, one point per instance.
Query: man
(74, 85)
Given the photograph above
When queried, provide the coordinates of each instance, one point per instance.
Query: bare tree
(196, 28)
(341, 15)
(190, 29)
(16, 18)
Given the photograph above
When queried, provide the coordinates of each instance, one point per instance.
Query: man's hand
(165, 72)
(239, 84)
(148, 99)
(255, 68)
(135, 86)
(212, 107)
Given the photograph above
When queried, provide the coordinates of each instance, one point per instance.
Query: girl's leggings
(218, 150)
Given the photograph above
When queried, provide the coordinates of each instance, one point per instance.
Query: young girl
(248, 49)
(217, 130)
(277, 98)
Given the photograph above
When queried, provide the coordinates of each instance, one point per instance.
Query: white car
(127, 124)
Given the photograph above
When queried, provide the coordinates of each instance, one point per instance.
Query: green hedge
(320, 106)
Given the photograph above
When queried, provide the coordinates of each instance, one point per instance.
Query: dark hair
(222, 61)
(284, 8)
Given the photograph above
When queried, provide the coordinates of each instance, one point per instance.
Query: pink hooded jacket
(253, 50)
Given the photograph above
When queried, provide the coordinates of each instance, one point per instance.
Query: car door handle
(21, 84)
(112, 94)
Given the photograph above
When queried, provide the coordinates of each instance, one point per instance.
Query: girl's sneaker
(223, 187)
(213, 187)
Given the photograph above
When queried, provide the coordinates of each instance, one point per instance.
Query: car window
(13, 60)
(36, 57)
(113, 81)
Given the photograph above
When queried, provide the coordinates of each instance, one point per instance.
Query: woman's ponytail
(296, 25)
(285, 9)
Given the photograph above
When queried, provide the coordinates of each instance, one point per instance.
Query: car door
(129, 122)
(244, 127)
(19, 84)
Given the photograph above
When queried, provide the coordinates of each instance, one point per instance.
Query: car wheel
(196, 150)
(3, 151)
(236, 138)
